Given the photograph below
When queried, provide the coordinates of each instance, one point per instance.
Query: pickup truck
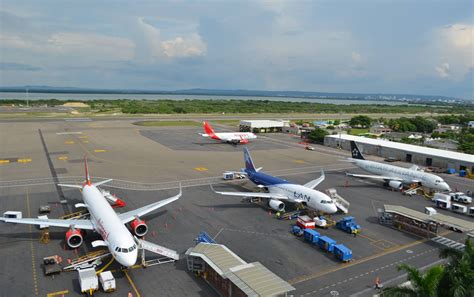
(460, 197)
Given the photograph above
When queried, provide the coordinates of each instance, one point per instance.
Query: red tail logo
(209, 131)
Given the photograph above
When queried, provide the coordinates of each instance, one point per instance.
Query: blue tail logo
(248, 160)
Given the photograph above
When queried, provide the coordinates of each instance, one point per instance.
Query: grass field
(166, 123)
(355, 131)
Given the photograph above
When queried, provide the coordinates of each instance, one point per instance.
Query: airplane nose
(332, 209)
(446, 187)
(128, 260)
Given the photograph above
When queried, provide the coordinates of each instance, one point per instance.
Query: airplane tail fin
(248, 161)
(356, 154)
(209, 131)
(86, 168)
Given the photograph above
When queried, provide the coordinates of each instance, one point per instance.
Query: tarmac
(147, 163)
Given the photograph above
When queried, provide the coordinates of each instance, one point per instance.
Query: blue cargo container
(342, 252)
(451, 171)
(326, 243)
(462, 173)
(311, 236)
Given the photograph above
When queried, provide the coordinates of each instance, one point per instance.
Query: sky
(368, 46)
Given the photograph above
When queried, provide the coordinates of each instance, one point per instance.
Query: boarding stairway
(92, 259)
(168, 254)
(449, 243)
(342, 204)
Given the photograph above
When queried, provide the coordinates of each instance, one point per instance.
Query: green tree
(317, 135)
(360, 121)
(458, 276)
(422, 285)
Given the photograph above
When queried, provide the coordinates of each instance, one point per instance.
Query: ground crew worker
(378, 283)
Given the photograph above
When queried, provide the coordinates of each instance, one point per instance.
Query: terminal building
(420, 155)
(263, 126)
(229, 275)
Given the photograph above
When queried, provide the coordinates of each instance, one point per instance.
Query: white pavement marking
(365, 291)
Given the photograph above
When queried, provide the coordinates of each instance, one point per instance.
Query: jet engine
(394, 184)
(74, 238)
(276, 204)
(139, 227)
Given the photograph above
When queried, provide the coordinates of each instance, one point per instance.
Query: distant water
(68, 96)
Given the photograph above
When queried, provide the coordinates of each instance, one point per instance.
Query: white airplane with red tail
(227, 137)
(105, 221)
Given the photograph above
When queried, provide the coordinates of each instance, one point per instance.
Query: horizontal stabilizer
(102, 182)
(70, 186)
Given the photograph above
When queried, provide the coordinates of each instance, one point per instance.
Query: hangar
(420, 155)
(263, 126)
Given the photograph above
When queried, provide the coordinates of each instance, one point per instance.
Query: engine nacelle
(276, 204)
(139, 227)
(74, 238)
(394, 184)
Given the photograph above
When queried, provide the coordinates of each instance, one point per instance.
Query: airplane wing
(79, 224)
(374, 176)
(252, 194)
(314, 183)
(131, 215)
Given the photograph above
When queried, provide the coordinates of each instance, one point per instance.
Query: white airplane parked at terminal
(104, 220)
(394, 176)
(227, 137)
(280, 190)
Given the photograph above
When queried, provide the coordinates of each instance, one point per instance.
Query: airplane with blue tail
(280, 191)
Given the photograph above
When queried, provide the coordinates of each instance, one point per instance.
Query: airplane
(227, 137)
(394, 176)
(280, 190)
(104, 220)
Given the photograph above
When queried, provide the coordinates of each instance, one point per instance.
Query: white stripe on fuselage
(108, 225)
(235, 136)
(298, 193)
(408, 175)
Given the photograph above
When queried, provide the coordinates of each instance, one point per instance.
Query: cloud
(356, 57)
(18, 66)
(84, 44)
(180, 47)
(443, 70)
(455, 45)
(73, 44)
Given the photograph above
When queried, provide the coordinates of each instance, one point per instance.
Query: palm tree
(458, 276)
(422, 285)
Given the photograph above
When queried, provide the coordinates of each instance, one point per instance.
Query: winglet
(86, 168)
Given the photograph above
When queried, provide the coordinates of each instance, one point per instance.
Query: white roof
(407, 147)
(263, 123)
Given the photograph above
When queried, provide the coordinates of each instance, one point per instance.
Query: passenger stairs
(449, 243)
(340, 202)
(168, 254)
